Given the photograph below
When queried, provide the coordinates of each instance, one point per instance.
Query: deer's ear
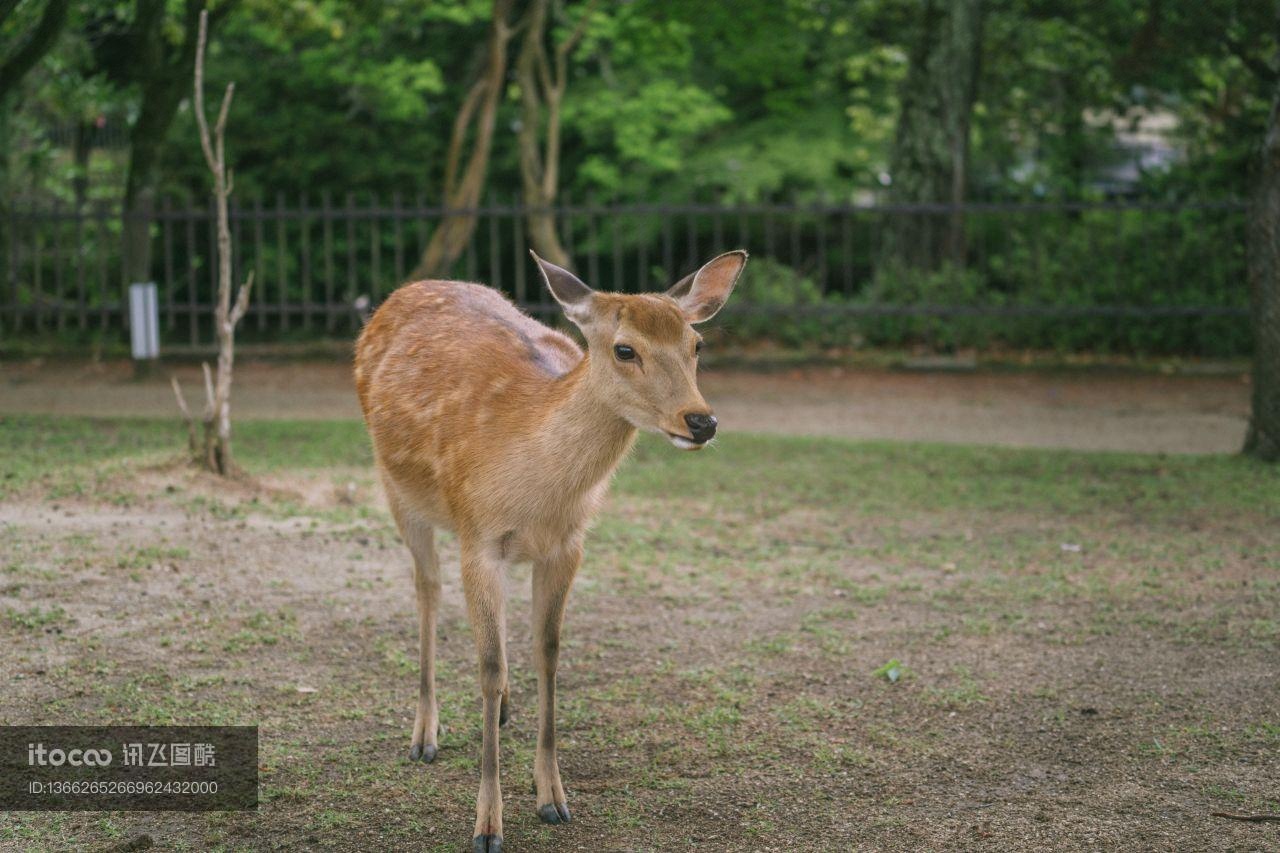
(702, 294)
(574, 296)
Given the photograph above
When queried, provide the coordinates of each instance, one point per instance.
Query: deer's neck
(586, 437)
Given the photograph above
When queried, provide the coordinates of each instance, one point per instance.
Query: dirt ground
(1089, 655)
(1084, 410)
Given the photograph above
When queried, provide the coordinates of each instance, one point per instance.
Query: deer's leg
(482, 583)
(421, 539)
(426, 579)
(551, 581)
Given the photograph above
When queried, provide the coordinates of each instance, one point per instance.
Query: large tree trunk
(139, 204)
(161, 71)
(1263, 439)
(542, 82)
(462, 189)
(929, 162)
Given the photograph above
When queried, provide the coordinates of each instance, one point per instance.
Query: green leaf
(892, 671)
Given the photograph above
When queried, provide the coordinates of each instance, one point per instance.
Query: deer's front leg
(551, 581)
(482, 583)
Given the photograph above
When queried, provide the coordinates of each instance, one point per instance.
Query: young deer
(490, 424)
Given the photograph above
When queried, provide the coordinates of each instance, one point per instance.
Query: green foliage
(771, 158)
(950, 286)
(1022, 267)
(774, 302)
(1160, 260)
(743, 102)
(645, 133)
(747, 100)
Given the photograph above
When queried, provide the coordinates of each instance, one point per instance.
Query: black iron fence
(1110, 275)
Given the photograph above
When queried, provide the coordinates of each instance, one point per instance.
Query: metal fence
(61, 267)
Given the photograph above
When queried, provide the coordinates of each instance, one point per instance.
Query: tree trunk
(216, 454)
(929, 163)
(161, 72)
(1263, 439)
(159, 106)
(137, 212)
(462, 192)
(542, 84)
(16, 65)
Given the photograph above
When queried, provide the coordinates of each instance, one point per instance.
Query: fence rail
(818, 264)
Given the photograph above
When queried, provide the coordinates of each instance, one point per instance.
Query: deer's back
(468, 331)
(444, 365)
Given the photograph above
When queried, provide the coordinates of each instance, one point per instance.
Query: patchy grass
(64, 453)
(883, 646)
(871, 478)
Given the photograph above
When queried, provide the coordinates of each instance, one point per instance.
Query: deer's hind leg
(421, 538)
(482, 575)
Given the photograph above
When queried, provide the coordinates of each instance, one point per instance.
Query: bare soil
(730, 709)
(1142, 412)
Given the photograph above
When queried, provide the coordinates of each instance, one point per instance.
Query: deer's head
(644, 349)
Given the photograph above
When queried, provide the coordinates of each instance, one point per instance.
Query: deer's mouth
(684, 442)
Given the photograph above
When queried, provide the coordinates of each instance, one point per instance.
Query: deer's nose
(701, 427)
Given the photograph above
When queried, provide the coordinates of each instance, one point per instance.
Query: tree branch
(242, 300)
(566, 47)
(201, 121)
(13, 69)
(208, 391)
(543, 66)
(193, 442)
(219, 129)
(457, 140)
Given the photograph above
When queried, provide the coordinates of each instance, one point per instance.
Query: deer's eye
(697, 348)
(624, 352)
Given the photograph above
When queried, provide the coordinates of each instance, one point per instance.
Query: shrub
(773, 302)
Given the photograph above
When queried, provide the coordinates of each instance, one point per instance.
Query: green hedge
(1071, 263)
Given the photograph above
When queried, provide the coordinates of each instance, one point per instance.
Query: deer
(492, 425)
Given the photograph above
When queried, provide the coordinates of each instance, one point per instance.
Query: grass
(873, 478)
(868, 478)
(766, 637)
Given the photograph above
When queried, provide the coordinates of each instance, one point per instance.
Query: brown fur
(490, 424)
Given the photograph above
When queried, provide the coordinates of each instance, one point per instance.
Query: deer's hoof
(424, 752)
(554, 813)
(486, 844)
